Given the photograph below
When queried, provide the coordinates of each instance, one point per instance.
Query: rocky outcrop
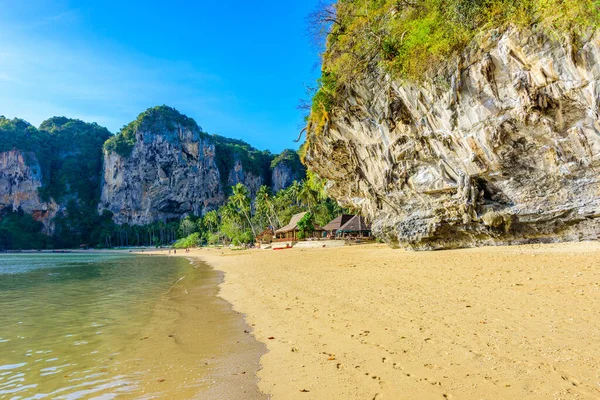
(238, 175)
(20, 179)
(283, 176)
(505, 148)
(170, 172)
(285, 169)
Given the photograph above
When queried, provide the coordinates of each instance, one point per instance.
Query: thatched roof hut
(290, 231)
(337, 223)
(356, 224)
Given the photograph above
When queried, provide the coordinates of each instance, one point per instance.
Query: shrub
(192, 240)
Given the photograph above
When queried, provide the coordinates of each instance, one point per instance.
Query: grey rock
(502, 148)
(283, 175)
(169, 174)
(20, 179)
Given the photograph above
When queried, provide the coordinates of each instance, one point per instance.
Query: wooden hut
(332, 227)
(290, 231)
(355, 227)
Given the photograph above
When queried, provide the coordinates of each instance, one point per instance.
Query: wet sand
(368, 322)
(195, 345)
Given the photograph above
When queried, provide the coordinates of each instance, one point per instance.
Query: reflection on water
(66, 318)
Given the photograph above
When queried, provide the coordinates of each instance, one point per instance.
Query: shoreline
(371, 322)
(195, 343)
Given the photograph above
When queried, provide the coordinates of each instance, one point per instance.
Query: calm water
(66, 321)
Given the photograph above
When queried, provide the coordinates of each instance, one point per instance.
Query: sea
(117, 325)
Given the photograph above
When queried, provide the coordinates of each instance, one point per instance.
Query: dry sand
(368, 322)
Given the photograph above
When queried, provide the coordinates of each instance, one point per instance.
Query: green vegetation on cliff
(20, 231)
(289, 158)
(17, 134)
(76, 162)
(410, 39)
(165, 119)
(20, 135)
(156, 119)
(69, 153)
(229, 151)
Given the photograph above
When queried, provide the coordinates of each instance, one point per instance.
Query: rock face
(20, 179)
(286, 168)
(238, 175)
(170, 172)
(283, 176)
(159, 167)
(505, 150)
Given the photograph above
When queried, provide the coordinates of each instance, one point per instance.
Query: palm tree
(307, 196)
(186, 227)
(292, 191)
(264, 204)
(211, 221)
(241, 200)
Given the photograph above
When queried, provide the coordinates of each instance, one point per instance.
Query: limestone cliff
(169, 171)
(20, 179)
(286, 168)
(237, 174)
(163, 166)
(505, 148)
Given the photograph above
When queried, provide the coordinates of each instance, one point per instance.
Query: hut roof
(266, 233)
(293, 225)
(338, 222)
(356, 224)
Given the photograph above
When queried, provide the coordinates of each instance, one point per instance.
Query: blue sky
(239, 68)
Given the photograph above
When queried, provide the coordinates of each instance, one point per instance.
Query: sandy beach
(369, 322)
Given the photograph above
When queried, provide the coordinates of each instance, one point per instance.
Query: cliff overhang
(501, 148)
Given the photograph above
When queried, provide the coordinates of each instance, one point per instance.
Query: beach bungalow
(290, 231)
(332, 227)
(355, 227)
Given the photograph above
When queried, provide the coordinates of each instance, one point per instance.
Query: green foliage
(21, 135)
(254, 161)
(187, 226)
(17, 134)
(193, 240)
(290, 158)
(410, 38)
(323, 101)
(76, 160)
(306, 225)
(158, 119)
(211, 221)
(20, 231)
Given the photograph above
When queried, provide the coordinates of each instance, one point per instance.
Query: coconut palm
(307, 196)
(211, 221)
(264, 205)
(241, 200)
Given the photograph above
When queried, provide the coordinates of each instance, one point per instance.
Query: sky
(239, 68)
